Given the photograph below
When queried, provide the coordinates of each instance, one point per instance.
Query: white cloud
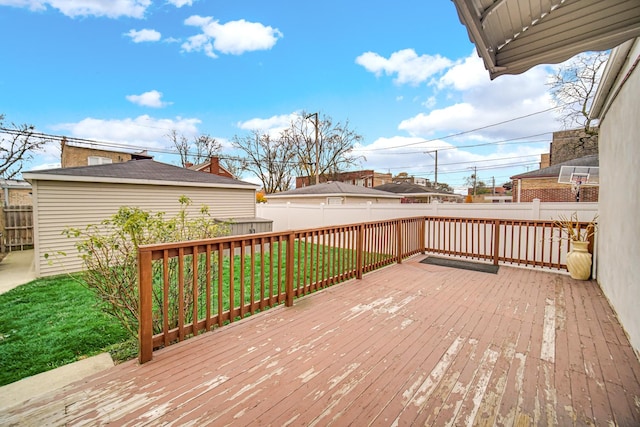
(272, 125)
(75, 8)
(233, 37)
(446, 118)
(180, 3)
(466, 74)
(153, 99)
(144, 35)
(406, 64)
(478, 102)
(143, 130)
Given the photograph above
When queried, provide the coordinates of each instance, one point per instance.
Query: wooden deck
(410, 344)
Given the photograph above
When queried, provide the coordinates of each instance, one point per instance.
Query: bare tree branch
(335, 145)
(17, 144)
(199, 150)
(269, 159)
(573, 88)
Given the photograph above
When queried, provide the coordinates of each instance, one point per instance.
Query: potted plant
(579, 235)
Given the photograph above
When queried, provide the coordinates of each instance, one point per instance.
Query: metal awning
(512, 36)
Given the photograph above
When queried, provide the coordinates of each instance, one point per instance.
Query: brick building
(570, 148)
(363, 178)
(543, 184)
(80, 154)
(571, 144)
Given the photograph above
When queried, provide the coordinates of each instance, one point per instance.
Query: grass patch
(51, 322)
(55, 321)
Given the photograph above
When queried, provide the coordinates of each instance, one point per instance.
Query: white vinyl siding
(61, 204)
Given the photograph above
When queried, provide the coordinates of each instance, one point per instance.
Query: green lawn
(55, 321)
(52, 322)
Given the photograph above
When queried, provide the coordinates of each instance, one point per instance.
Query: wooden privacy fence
(17, 228)
(191, 287)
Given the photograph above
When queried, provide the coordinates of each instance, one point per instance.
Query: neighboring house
(410, 179)
(364, 178)
(77, 197)
(210, 166)
(414, 193)
(511, 40)
(333, 193)
(489, 195)
(543, 184)
(75, 154)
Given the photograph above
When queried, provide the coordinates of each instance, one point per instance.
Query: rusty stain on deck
(410, 344)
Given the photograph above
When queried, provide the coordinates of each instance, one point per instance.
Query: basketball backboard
(579, 175)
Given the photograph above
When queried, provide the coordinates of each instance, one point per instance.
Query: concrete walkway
(37, 386)
(16, 269)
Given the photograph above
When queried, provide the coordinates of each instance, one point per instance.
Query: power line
(469, 131)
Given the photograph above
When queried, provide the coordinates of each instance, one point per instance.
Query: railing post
(421, 239)
(496, 241)
(359, 251)
(289, 270)
(399, 239)
(145, 322)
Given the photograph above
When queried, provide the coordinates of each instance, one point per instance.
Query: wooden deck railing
(191, 287)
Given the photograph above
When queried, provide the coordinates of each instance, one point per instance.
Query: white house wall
(619, 234)
(59, 205)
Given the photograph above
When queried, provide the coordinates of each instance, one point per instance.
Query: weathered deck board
(411, 344)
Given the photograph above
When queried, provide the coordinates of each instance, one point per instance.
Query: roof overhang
(306, 196)
(34, 176)
(512, 36)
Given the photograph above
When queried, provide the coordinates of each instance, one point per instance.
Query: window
(334, 200)
(96, 160)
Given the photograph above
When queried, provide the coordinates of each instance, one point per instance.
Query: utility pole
(493, 185)
(435, 185)
(475, 179)
(317, 172)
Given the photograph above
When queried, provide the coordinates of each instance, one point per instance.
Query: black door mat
(464, 265)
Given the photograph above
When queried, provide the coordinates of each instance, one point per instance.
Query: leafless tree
(17, 144)
(199, 150)
(335, 145)
(270, 159)
(236, 166)
(573, 88)
(275, 160)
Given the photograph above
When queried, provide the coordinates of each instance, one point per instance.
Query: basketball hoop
(577, 176)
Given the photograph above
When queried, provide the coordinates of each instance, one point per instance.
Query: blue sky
(404, 74)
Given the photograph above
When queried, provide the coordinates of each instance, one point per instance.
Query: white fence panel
(299, 216)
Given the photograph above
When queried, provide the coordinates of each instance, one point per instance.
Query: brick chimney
(188, 164)
(214, 166)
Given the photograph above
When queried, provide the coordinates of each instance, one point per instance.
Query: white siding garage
(77, 197)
